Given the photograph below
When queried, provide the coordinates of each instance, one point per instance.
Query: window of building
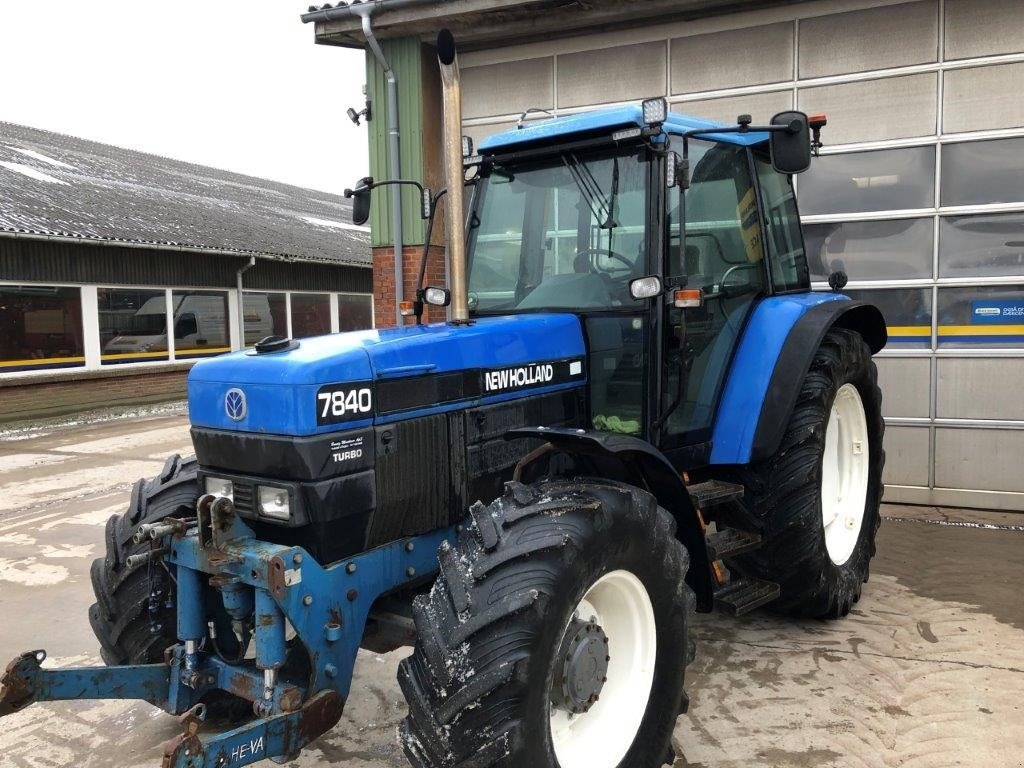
(880, 180)
(895, 249)
(40, 328)
(311, 314)
(984, 245)
(265, 314)
(907, 313)
(200, 324)
(355, 311)
(133, 325)
(982, 316)
(981, 172)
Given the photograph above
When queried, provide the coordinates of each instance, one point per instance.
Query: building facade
(119, 269)
(918, 195)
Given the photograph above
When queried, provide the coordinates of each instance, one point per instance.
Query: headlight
(274, 502)
(220, 487)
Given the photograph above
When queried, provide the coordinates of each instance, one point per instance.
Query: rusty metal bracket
(280, 736)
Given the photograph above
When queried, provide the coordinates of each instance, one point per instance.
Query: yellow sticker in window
(750, 226)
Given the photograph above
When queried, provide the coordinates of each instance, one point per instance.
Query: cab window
(783, 235)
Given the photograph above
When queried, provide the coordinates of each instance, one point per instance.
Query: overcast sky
(234, 84)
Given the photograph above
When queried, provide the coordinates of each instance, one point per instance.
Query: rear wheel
(815, 501)
(555, 636)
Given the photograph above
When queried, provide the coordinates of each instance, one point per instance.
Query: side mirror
(645, 287)
(791, 147)
(361, 200)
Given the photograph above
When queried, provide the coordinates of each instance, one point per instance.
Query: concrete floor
(927, 672)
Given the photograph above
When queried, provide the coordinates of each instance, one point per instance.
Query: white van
(200, 323)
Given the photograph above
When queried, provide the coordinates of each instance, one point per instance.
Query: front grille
(244, 493)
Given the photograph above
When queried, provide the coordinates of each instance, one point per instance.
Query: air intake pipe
(451, 89)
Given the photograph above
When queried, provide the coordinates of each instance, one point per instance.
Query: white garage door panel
(904, 383)
(906, 456)
(985, 459)
(709, 62)
(878, 38)
(983, 27)
(623, 73)
(981, 388)
(508, 89)
(983, 98)
(872, 110)
(760, 106)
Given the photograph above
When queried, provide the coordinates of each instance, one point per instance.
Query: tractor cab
(660, 232)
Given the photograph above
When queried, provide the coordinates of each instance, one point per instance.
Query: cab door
(722, 254)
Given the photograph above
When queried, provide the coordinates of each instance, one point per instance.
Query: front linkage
(268, 584)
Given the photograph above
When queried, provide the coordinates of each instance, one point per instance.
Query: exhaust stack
(451, 89)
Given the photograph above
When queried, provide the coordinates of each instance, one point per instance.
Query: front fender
(635, 461)
(773, 357)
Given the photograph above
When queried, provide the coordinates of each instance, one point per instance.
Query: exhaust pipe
(455, 218)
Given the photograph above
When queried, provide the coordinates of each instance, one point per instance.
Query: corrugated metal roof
(52, 184)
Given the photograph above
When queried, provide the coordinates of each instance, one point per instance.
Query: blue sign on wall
(997, 311)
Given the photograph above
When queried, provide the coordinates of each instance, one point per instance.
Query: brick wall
(384, 281)
(57, 394)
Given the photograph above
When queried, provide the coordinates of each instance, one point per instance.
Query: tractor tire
(507, 645)
(819, 567)
(129, 629)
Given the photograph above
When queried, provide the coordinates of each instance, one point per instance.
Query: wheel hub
(583, 665)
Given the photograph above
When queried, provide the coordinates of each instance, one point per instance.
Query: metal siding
(404, 56)
(38, 261)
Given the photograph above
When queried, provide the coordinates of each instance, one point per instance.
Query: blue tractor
(638, 409)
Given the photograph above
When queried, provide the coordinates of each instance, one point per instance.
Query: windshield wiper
(609, 223)
(588, 187)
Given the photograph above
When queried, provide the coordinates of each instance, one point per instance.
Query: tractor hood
(349, 380)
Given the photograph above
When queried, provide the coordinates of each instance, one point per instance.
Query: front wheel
(555, 635)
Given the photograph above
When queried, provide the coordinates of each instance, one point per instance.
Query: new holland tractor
(637, 409)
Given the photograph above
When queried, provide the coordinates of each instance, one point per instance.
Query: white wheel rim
(600, 738)
(844, 474)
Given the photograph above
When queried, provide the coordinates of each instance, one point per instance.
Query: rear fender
(774, 355)
(631, 460)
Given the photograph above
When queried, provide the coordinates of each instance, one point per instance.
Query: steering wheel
(592, 255)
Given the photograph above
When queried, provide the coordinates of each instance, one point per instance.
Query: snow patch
(30, 573)
(333, 224)
(66, 550)
(41, 157)
(32, 173)
(17, 539)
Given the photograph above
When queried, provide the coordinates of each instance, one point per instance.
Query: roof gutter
(357, 9)
(365, 11)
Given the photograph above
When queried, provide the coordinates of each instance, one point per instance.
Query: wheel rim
(844, 474)
(618, 604)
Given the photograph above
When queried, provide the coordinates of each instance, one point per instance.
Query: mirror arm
(745, 128)
(419, 304)
(390, 182)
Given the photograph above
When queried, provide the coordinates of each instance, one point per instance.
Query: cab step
(744, 595)
(712, 492)
(729, 542)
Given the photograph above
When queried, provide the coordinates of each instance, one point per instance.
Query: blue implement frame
(327, 606)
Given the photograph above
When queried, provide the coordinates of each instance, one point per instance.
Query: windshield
(567, 232)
